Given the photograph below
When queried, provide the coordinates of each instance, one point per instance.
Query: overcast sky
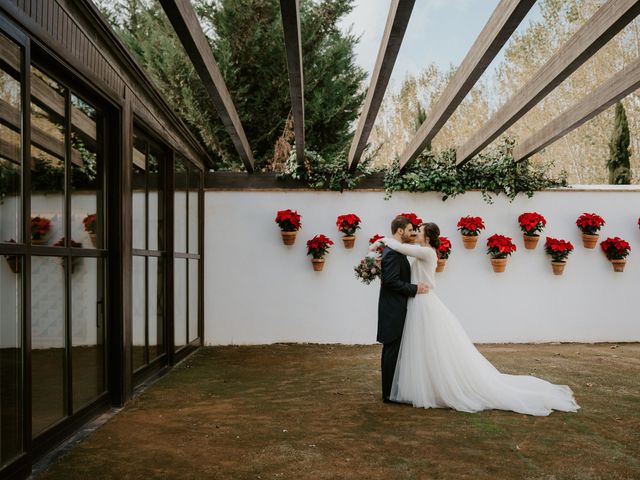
(440, 31)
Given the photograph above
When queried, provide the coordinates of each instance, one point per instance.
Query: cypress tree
(619, 152)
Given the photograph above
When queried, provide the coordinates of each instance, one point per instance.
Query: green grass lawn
(314, 412)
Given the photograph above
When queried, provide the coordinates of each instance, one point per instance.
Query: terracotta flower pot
(499, 264)
(530, 241)
(558, 267)
(288, 238)
(589, 241)
(94, 239)
(349, 241)
(618, 265)
(14, 263)
(441, 264)
(318, 264)
(469, 241)
(39, 241)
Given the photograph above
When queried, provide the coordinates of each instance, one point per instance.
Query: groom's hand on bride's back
(423, 288)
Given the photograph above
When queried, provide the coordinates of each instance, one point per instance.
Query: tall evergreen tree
(619, 152)
(247, 41)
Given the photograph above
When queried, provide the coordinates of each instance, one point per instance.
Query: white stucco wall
(259, 291)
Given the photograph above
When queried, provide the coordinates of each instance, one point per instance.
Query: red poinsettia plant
(532, 223)
(470, 226)
(444, 249)
(318, 246)
(413, 218)
(500, 246)
(90, 223)
(374, 239)
(288, 220)
(40, 227)
(348, 224)
(615, 248)
(590, 223)
(559, 250)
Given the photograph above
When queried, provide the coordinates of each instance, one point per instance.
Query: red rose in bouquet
(590, 223)
(288, 220)
(318, 246)
(470, 226)
(444, 250)
(615, 248)
(348, 224)
(532, 223)
(559, 250)
(413, 218)
(500, 246)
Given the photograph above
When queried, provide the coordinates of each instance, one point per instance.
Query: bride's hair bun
(432, 233)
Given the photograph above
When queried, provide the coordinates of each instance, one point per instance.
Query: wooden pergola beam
(397, 21)
(503, 21)
(187, 27)
(605, 23)
(293, 44)
(614, 89)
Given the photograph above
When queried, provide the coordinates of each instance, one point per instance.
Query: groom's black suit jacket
(395, 290)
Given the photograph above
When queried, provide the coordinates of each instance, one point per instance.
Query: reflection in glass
(180, 302)
(139, 312)
(193, 299)
(155, 307)
(194, 187)
(139, 200)
(47, 342)
(86, 185)
(10, 142)
(87, 332)
(155, 214)
(10, 359)
(48, 158)
(180, 206)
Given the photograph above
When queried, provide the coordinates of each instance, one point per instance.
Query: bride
(438, 365)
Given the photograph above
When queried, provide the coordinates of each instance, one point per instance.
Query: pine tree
(247, 41)
(619, 152)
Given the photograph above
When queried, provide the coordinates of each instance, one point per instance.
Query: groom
(395, 290)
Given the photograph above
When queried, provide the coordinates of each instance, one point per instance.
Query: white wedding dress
(438, 365)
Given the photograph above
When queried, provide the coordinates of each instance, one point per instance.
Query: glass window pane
(193, 299)
(10, 142)
(180, 206)
(10, 358)
(156, 307)
(86, 181)
(139, 312)
(139, 200)
(47, 341)
(180, 302)
(156, 201)
(87, 332)
(194, 221)
(47, 161)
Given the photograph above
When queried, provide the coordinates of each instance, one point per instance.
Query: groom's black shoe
(388, 400)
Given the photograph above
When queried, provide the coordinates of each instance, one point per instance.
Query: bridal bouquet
(368, 269)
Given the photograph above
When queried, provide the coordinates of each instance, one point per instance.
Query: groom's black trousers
(388, 365)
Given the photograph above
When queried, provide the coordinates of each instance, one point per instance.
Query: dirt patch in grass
(314, 412)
